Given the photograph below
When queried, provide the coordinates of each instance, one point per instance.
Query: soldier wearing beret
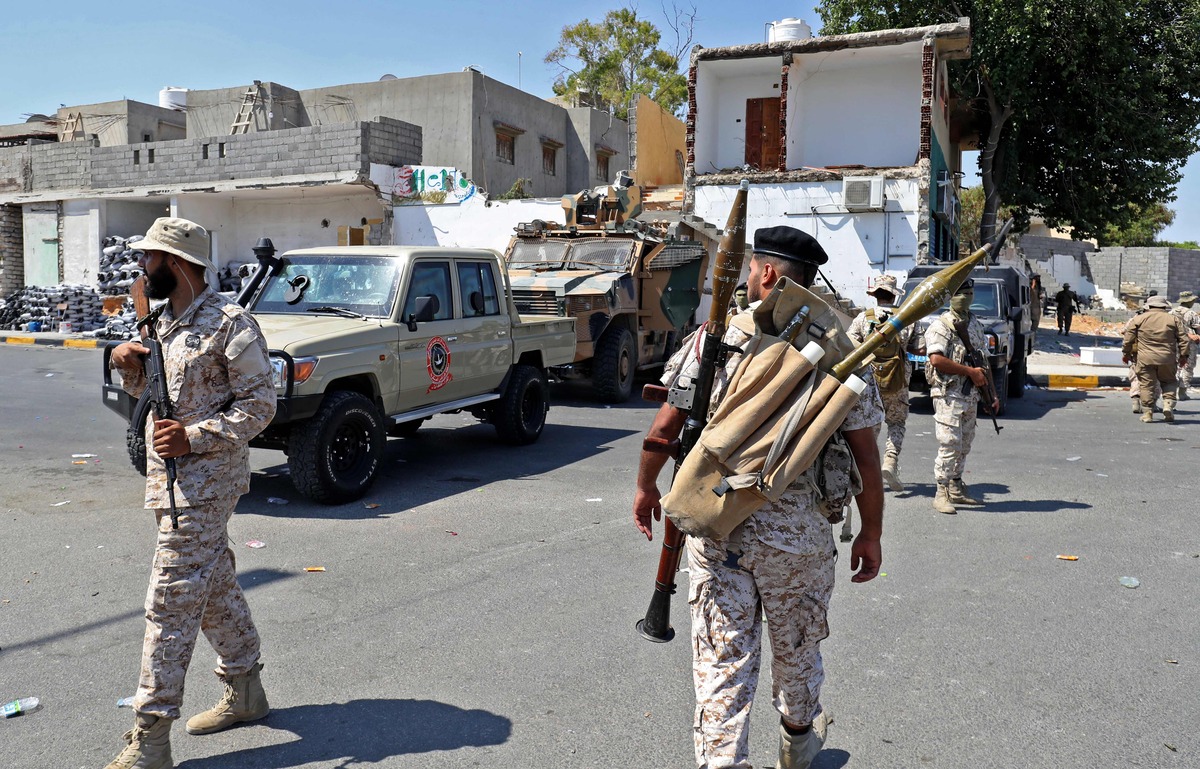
(779, 562)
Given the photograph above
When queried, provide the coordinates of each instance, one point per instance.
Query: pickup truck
(1003, 305)
(370, 341)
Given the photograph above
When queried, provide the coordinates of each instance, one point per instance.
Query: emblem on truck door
(437, 360)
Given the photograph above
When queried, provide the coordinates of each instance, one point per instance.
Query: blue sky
(72, 52)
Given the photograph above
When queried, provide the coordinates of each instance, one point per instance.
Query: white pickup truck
(370, 341)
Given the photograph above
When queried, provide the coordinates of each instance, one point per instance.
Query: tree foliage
(1084, 106)
(1142, 229)
(608, 64)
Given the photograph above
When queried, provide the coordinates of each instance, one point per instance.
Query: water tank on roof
(788, 29)
(173, 97)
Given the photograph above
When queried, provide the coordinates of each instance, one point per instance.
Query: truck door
(483, 352)
(427, 355)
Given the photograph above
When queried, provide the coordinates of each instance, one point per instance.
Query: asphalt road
(482, 613)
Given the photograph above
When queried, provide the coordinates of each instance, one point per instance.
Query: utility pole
(518, 70)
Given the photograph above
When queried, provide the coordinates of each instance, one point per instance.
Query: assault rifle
(974, 359)
(156, 375)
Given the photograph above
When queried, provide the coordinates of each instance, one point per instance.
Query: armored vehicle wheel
(520, 414)
(335, 456)
(614, 365)
(1016, 379)
(135, 436)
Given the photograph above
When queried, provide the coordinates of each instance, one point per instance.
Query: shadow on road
(436, 463)
(1036, 402)
(248, 580)
(996, 499)
(831, 759)
(365, 732)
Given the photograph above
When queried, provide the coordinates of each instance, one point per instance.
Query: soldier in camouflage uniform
(779, 562)
(954, 410)
(1191, 320)
(1157, 343)
(892, 372)
(219, 379)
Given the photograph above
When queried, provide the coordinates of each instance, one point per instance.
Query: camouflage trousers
(895, 416)
(728, 594)
(954, 428)
(193, 587)
(1154, 379)
(1185, 372)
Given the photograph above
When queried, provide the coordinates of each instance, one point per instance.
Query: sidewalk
(47, 339)
(1055, 361)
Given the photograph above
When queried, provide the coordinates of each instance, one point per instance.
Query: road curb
(41, 341)
(1079, 382)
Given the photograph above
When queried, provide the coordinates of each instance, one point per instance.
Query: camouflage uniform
(1160, 338)
(953, 411)
(1191, 320)
(895, 404)
(219, 380)
(779, 562)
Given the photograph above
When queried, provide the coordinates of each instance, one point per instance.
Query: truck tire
(520, 414)
(335, 456)
(614, 365)
(1016, 379)
(135, 436)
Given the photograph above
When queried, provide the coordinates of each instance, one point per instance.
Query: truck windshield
(363, 285)
(609, 254)
(985, 305)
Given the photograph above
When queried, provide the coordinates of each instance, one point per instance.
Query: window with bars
(506, 146)
(549, 160)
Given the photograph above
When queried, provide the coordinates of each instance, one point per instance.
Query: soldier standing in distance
(1157, 343)
(1065, 301)
(1191, 321)
(780, 561)
(954, 409)
(219, 378)
(891, 369)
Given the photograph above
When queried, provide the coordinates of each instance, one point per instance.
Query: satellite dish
(38, 118)
(388, 76)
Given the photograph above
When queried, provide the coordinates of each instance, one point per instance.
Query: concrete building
(851, 138)
(325, 166)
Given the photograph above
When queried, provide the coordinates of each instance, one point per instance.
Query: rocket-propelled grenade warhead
(928, 297)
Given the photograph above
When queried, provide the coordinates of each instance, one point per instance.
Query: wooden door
(762, 133)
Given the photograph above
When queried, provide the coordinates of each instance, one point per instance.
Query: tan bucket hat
(180, 237)
(1186, 297)
(1158, 301)
(887, 283)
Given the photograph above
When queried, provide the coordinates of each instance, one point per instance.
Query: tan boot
(959, 494)
(1137, 406)
(941, 501)
(1147, 416)
(1168, 412)
(148, 745)
(798, 751)
(891, 472)
(244, 700)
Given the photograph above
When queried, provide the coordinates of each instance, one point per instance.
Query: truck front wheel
(520, 414)
(614, 365)
(335, 456)
(1016, 379)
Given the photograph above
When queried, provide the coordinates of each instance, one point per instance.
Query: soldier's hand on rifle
(128, 356)
(1125, 359)
(646, 504)
(995, 405)
(978, 376)
(170, 439)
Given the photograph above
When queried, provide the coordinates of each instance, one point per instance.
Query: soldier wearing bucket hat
(1191, 321)
(215, 351)
(892, 371)
(778, 562)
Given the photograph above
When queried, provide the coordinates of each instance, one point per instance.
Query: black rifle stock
(156, 377)
(731, 252)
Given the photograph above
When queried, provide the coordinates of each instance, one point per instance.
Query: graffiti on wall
(422, 185)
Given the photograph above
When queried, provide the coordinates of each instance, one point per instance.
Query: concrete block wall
(12, 250)
(392, 142)
(61, 166)
(1183, 271)
(14, 169)
(1147, 266)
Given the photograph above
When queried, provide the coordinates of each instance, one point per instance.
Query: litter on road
(1067, 557)
(1129, 582)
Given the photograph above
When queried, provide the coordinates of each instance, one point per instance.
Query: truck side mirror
(426, 308)
(1014, 313)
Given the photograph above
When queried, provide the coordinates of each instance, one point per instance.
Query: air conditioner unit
(862, 193)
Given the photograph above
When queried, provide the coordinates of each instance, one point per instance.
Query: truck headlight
(993, 343)
(302, 370)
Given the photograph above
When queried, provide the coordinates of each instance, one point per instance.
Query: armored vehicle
(631, 286)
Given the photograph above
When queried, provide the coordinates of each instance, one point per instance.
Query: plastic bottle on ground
(21, 707)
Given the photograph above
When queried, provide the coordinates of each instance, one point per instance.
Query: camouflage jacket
(864, 324)
(1190, 318)
(786, 524)
(219, 379)
(941, 338)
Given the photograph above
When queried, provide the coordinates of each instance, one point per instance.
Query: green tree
(1142, 229)
(1083, 107)
(608, 64)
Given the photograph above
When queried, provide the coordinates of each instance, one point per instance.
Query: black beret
(967, 285)
(789, 243)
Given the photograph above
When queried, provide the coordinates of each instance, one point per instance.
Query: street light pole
(518, 70)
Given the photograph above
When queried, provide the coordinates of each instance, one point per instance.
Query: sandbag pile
(65, 307)
(118, 265)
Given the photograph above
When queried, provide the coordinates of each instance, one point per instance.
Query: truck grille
(530, 302)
